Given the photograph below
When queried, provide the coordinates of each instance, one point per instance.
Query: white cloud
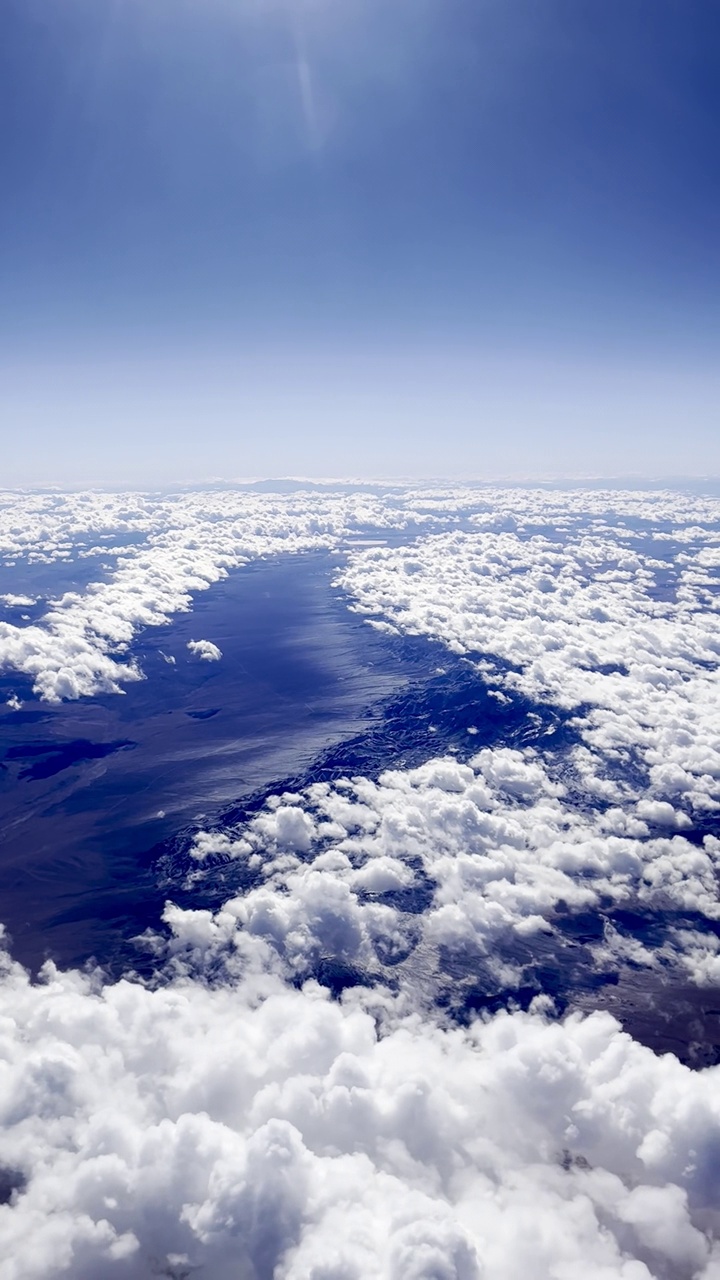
(231, 1119)
(503, 850)
(185, 544)
(259, 1130)
(16, 601)
(588, 620)
(166, 549)
(205, 649)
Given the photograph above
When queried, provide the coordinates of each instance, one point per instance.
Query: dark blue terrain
(99, 798)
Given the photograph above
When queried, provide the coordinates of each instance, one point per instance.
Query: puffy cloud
(163, 549)
(262, 1130)
(579, 618)
(14, 601)
(185, 543)
(175, 546)
(232, 1119)
(453, 866)
(205, 649)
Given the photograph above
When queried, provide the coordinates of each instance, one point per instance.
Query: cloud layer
(232, 1118)
(178, 546)
(454, 872)
(259, 1130)
(154, 553)
(236, 1120)
(584, 620)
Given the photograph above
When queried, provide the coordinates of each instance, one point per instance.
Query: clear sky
(358, 237)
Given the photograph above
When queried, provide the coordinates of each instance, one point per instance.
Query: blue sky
(358, 237)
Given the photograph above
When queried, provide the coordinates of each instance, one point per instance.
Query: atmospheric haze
(303, 238)
(359, 648)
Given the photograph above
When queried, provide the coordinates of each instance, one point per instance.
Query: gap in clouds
(445, 701)
(78, 834)
(302, 693)
(444, 708)
(47, 580)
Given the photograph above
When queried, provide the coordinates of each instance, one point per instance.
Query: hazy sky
(366, 237)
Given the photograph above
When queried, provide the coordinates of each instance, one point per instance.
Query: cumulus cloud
(231, 1118)
(588, 620)
(263, 1130)
(14, 601)
(484, 855)
(181, 545)
(165, 549)
(205, 649)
